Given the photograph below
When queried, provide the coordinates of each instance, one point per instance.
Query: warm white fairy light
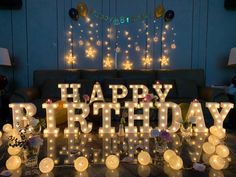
(106, 115)
(115, 95)
(108, 62)
(73, 117)
(147, 60)
(18, 114)
(90, 52)
(219, 117)
(195, 113)
(127, 65)
(50, 118)
(97, 94)
(162, 95)
(131, 106)
(64, 93)
(164, 60)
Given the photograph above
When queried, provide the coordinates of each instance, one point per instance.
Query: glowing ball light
(218, 132)
(176, 162)
(144, 158)
(213, 140)
(112, 162)
(217, 162)
(13, 163)
(13, 150)
(208, 148)
(46, 165)
(168, 154)
(222, 151)
(7, 128)
(81, 164)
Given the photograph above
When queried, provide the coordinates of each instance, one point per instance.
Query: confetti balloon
(159, 11)
(73, 13)
(169, 15)
(82, 9)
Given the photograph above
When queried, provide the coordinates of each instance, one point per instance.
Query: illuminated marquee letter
(72, 117)
(97, 94)
(18, 113)
(136, 94)
(145, 116)
(219, 117)
(195, 112)
(163, 116)
(51, 122)
(106, 115)
(65, 95)
(158, 89)
(115, 95)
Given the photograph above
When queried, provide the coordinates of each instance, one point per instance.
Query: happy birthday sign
(218, 111)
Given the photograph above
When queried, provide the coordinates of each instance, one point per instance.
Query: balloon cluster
(81, 10)
(160, 12)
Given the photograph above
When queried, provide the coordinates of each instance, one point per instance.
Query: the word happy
(218, 111)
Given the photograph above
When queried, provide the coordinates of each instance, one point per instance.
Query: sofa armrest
(211, 94)
(25, 95)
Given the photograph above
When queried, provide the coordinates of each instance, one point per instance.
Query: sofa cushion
(187, 88)
(49, 88)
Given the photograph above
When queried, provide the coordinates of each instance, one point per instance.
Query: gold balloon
(82, 9)
(159, 11)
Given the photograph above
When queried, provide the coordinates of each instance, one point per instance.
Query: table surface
(65, 149)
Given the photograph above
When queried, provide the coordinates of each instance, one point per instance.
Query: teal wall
(36, 36)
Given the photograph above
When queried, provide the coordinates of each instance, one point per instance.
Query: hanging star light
(70, 59)
(147, 60)
(127, 65)
(164, 60)
(108, 62)
(91, 52)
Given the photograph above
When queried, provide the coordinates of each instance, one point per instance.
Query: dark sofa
(187, 84)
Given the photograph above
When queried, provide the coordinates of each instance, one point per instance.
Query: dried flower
(149, 97)
(86, 98)
(155, 133)
(48, 101)
(166, 136)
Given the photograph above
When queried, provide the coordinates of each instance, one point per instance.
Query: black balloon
(169, 15)
(73, 13)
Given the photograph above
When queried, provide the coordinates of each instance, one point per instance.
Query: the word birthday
(218, 111)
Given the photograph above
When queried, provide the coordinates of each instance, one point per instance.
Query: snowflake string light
(147, 60)
(164, 60)
(70, 59)
(91, 52)
(127, 65)
(108, 62)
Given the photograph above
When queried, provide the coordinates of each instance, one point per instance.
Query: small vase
(186, 131)
(30, 156)
(121, 130)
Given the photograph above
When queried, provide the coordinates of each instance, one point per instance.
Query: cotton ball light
(112, 162)
(81, 164)
(176, 162)
(13, 150)
(218, 132)
(222, 151)
(13, 163)
(168, 154)
(217, 162)
(208, 148)
(46, 165)
(7, 128)
(213, 140)
(144, 158)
